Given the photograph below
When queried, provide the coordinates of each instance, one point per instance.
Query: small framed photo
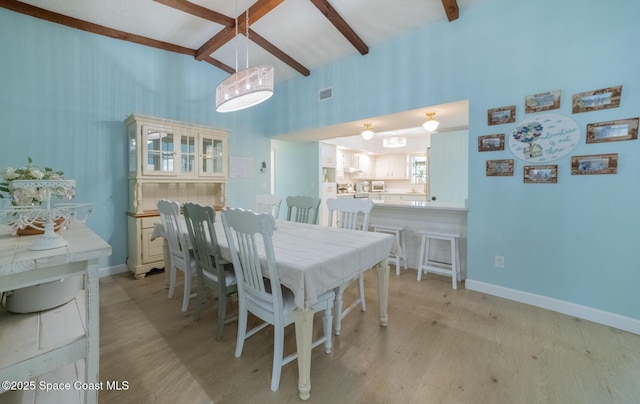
(604, 98)
(491, 142)
(612, 131)
(542, 102)
(500, 168)
(594, 164)
(541, 174)
(498, 116)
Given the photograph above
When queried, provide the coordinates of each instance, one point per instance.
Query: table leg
(382, 270)
(304, 329)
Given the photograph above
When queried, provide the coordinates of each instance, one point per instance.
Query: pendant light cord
(247, 24)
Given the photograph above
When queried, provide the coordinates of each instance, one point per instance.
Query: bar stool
(398, 250)
(425, 264)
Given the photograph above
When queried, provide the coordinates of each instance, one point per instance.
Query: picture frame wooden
(542, 102)
(502, 115)
(603, 98)
(594, 164)
(613, 131)
(491, 142)
(500, 168)
(547, 174)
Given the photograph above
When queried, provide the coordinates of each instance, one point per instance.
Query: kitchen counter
(421, 205)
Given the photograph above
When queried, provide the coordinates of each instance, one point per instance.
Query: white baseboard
(587, 313)
(118, 269)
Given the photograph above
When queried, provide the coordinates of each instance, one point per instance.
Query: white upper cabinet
(328, 155)
(391, 166)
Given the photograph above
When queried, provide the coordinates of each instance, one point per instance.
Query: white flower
(36, 173)
(9, 173)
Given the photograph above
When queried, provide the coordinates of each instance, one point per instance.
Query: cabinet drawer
(151, 250)
(150, 222)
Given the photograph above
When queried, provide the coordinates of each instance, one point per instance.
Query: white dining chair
(181, 256)
(249, 236)
(353, 214)
(303, 209)
(268, 203)
(213, 271)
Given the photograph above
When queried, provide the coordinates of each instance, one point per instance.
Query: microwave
(377, 186)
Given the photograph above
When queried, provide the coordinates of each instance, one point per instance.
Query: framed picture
(491, 142)
(594, 164)
(542, 102)
(541, 174)
(599, 99)
(500, 168)
(498, 116)
(612, 131)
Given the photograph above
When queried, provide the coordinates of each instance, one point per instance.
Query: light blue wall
(575, 241)
(64, 95)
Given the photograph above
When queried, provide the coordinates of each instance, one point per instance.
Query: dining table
(313, 259)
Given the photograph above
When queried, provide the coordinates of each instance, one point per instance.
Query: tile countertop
(421, 205)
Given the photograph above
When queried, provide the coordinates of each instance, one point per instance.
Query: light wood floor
(441, 346)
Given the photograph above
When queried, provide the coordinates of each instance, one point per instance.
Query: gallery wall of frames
(545, 137)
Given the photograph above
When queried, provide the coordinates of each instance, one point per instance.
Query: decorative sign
(544, 137)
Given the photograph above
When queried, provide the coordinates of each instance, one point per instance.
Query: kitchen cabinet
(171, 160)
(328, 155)
(363, 163)
(391, 166)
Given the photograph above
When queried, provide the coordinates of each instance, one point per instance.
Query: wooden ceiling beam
(451, 8)
(219, 65)
(258, 10)
(332, 15)
(50, 16)
(275, 51)
(199, 11)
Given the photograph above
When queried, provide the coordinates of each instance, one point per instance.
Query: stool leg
(404, 249)
(454, 264)
(422, 243)
(458, 260)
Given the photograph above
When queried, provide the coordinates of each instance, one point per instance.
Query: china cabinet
(172, 160)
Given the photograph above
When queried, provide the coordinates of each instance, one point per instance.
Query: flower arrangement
(32, 196)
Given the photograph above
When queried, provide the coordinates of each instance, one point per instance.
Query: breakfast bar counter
(414, 216)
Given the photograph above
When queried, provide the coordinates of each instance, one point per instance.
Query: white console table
(38, 343)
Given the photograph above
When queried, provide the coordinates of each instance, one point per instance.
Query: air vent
(325, 94)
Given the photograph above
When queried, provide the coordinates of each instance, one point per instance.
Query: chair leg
(327, 320)
(278, 351)
(222, 312)
(337, 312)
(200, 301)
(242, 328)
(172, 281)
(361, 282)
(187, 290)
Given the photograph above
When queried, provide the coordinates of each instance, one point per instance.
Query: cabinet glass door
(187, 154)
(159, 151)
(212, 156)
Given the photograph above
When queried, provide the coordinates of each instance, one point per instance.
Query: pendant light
(367, 133)
(245, 88)
(431, 124)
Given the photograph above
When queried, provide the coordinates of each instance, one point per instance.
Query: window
(418, 169)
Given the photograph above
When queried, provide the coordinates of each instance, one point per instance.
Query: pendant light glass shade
(431, 124)
(394, 141)
(245, 89)
(367, 133)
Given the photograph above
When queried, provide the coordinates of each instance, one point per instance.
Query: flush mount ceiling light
(245, 88)
(431, 124)
(367, 133)
(394, 141)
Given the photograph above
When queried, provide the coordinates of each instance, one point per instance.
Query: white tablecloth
(313, 259)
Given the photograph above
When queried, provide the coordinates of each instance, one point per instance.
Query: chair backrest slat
(249, 234)
(169, 215)
(303, 209)
(349, 211)
(200, 221)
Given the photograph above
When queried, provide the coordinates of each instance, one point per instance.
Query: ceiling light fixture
(367, 133)
(246, 88)
(394, 141)
(431, 124)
